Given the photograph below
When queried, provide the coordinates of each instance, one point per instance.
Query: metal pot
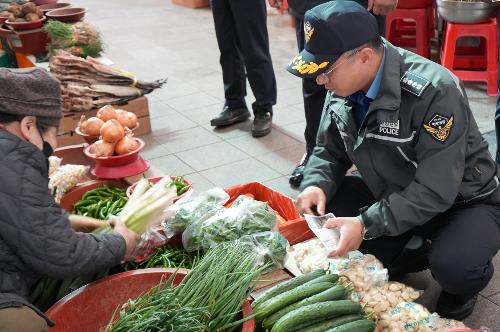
(467, 11)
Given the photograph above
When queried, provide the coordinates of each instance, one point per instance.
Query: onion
(126, 119)
(112, 131)
(91, 126)
(126, 145)
(106, 113)
(102, 148)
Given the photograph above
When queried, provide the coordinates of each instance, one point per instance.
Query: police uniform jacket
(419, 149)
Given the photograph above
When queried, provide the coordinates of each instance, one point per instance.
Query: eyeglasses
(323, 78)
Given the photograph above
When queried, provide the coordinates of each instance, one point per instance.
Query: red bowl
(67, 15)
(113, 161)
(26, 25)
(157, 179)
(69, 200)
(77, 312)
(117, 172)
(51, 6)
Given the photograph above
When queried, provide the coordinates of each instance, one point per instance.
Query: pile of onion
(113, 126)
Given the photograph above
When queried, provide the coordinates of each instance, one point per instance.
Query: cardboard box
(67, 135)
(191, 3)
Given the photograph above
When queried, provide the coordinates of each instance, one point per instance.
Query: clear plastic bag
(405, 317)
(246, 216)
(193, 207)
(381, 299)
(363, 271)
(147, 243)
(271, 248)
(66, 177)
(438, 324)
(310, 255)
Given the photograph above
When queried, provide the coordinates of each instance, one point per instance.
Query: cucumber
(337, 292)
(287, 285)
(279, 302)
(333, 278)
(331, 323)
(297, 319)
(362, 325)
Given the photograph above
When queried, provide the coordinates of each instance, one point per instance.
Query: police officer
(314, 94)
(241, 31)
(428, 192)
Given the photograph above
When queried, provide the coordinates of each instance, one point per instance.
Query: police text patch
(413, 83)
(439, 127)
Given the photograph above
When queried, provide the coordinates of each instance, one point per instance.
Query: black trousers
(314, 95)
(462, 240)
(241, 30)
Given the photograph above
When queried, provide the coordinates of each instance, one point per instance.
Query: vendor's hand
(130, 237)
(382, 7)
(310, 197)
(351, 234)
(85, 224)
(275, 3)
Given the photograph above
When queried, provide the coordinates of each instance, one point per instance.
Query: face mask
(47, 149)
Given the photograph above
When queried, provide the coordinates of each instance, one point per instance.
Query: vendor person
(427, 193)
(36, 239)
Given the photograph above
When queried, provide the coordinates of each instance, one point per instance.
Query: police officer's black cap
(330, 30)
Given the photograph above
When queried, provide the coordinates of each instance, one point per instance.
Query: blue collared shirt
(365, 99)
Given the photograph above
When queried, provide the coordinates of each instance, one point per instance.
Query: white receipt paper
(328, 236)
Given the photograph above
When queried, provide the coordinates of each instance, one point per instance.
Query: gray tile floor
(156, 39)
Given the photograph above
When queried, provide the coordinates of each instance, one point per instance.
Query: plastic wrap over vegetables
(194, 207)
(246, 216)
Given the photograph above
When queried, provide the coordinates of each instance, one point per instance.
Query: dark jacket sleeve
(439, 172)
(39, 232)
(329, 162)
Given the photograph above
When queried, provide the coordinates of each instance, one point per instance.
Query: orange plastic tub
(91, 307)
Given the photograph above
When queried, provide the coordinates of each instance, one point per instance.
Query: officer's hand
(382, 7)
(130, 237)
(351, 234)
(310, 197)
(275, 3)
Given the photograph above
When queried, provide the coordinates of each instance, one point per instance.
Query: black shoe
(230, 116)
(455, 306)
(298, 173)
(262, 124)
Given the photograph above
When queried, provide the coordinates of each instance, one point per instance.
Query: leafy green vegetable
(246, 216)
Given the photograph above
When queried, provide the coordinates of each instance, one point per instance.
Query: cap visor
(308, 65)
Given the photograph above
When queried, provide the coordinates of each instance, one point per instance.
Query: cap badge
(306, 68)
(308, 31)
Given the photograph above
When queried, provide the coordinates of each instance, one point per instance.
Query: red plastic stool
(468, 65)
(412, 26)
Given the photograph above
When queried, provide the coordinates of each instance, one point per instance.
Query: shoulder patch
(414, 83)
(439, 127)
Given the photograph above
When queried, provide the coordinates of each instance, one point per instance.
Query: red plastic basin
(91, 307)
(413, 4)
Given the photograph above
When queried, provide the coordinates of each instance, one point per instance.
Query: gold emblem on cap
(308, 31)
(306, 68)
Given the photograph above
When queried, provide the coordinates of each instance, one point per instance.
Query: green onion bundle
(158, 310)
(221, 281)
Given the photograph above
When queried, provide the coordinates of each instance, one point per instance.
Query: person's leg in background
(21, 319)
(251, 28)
(497, 111)
(460, 256)
(314, 99)
(233, 70)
